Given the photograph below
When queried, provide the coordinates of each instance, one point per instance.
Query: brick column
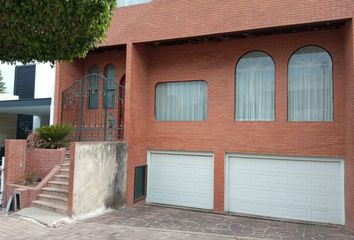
(136, 110)
(15, 159)
(219, 168)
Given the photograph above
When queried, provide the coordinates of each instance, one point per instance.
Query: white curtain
(255, 80)
(123, 3)
(310, 86)
(181, 101)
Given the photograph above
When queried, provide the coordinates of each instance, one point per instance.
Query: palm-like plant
(54, 136)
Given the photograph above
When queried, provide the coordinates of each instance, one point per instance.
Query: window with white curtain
(124, 3)
(181, 101)
(93, 81)
(310, 85)
(255, 80)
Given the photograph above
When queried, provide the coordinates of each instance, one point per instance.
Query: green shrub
(55, 136)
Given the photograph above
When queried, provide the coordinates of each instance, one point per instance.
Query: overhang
(36, 107)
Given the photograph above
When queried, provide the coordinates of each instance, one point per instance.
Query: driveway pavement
(154, 217)
(160, 223)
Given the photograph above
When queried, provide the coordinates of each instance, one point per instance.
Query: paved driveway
(151, 222)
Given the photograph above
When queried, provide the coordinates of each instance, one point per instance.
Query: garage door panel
(181, 179)
(305, 189)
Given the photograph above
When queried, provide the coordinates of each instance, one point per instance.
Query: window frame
(105, 90)
(182, 81)
(93, 91)
(275, 89)
(333, 87)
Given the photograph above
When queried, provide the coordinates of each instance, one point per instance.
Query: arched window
(110, 86)
(93, 87)
(310, 85)
(255, 80)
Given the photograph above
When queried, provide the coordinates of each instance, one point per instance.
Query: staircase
(54, 197)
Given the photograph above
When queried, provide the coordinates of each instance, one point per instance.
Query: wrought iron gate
(94, 106)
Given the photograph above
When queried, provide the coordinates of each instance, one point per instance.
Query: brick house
(234, 106)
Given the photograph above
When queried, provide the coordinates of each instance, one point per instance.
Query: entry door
(181, 179)
(305, 189)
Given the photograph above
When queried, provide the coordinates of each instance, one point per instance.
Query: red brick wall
(170, 19)
(42, 161)
(65, 74)
(215, 63)
(19, 159)
(15, 163)
(220, 133)
(349, 124)
(15, 160)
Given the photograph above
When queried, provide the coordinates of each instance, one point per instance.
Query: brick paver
(13, 226)
(160, 223)
(193, 221)
(95, 231)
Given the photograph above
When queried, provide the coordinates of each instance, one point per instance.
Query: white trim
(226, 182)
(296, 158)
(343, 189)
(281, 157)
(2, 175)
(187, 153)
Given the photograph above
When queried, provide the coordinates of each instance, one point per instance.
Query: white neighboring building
(35, 99)
(44, 83)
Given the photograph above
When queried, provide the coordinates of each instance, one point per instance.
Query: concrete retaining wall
(99, 179)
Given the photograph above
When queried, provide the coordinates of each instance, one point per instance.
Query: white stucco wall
(7, 97)
(44, 88)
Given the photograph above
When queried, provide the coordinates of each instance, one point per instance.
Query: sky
(8, 73)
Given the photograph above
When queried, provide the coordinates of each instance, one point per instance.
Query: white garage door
(305, 189)
(181, 179)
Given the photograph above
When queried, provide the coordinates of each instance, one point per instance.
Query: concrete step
(62, 178)
(49, 206)
(66, 167)
(58, 184)
(60, 192)
(53, 199)
(64, 172)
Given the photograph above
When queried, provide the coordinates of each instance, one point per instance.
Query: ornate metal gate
(94, 106)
